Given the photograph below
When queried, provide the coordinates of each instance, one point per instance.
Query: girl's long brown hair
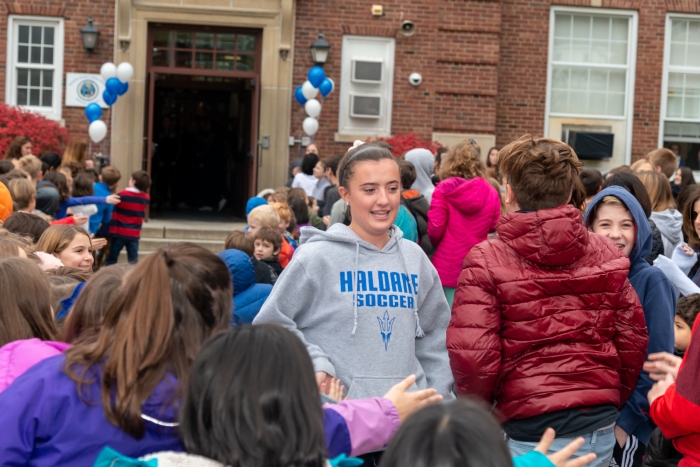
(75, 151)
(168, 306)
(659, 190)
(688, 223)
(25, 302)
(14, 151)
(86, 316)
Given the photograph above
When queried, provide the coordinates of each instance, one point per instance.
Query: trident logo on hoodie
(385, 326)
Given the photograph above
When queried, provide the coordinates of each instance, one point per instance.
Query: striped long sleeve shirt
(128, 215)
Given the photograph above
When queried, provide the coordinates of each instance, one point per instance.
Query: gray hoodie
(670, 224)
(395, 327)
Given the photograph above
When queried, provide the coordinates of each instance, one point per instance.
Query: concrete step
(148, 244)
(190, 231)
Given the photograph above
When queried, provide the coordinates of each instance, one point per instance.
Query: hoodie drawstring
(419, 330)
(357, 262)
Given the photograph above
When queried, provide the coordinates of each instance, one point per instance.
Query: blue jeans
(132, 250)
(601, 442)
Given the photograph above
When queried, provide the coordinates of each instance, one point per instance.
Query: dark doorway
(202, 120)
(201, 153)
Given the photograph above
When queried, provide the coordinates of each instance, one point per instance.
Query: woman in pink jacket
(463, 210)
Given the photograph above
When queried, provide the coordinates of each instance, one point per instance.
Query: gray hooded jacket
(367, 316)
(670, 224)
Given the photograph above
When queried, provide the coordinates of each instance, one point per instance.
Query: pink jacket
(18, 356)
(462, 213)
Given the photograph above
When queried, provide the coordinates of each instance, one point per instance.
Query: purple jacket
(462, 213)
(51, 425)
(18, 356)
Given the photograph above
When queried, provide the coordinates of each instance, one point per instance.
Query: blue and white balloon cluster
(306, 96)
(117, 83)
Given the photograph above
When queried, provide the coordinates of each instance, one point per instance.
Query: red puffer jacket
(544, 318)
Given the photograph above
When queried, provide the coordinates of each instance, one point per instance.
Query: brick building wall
(75, 58)
(523, 66)
(455, 49)
(484, 64)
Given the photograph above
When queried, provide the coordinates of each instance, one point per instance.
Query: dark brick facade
(483, 62)
(75, 59)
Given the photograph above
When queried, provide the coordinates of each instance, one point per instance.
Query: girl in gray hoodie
(368, 305)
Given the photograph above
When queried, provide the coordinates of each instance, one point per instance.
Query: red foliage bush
(402, 143)
(46, 135)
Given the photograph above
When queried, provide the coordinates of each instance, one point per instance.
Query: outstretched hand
(408, 402)
(334, 389)
(79, 219)
(662, 363)
(113, 199)
(561, 458)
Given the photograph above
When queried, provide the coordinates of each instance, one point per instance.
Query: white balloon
(108, 70)
(97, 131)
(313, 108)
(333, 83)
(125, 71)
(308, 90)
(310, 126)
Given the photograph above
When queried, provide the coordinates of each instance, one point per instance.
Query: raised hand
(561, 458)
(408, 402)
(334, 390)
(661, 363)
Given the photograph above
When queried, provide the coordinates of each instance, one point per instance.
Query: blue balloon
(113, 85)
(93, 112)
(326, 87)
(316, 76)
(124, 87)
(299, 96)
(109, 98)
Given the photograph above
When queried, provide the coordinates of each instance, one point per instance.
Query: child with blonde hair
(71, 245)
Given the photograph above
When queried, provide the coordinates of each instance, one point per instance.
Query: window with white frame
(681, 102)
(35, 64)
(590, 64)
(366, 86)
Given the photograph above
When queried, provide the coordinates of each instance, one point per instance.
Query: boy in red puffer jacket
(545, 322)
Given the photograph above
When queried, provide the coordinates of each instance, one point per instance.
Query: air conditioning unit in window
(591, 145)
(367, 71)
(365, 106)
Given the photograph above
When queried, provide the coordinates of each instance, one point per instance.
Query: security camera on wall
(415, 79)
(408, 28)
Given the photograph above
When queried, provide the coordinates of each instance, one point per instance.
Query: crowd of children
(497, 309)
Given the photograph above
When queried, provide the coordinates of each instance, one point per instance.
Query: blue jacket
(248, 297)
(407, 223)
(658, 299)
(63, 207)
(51, 425)
(104, 212)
